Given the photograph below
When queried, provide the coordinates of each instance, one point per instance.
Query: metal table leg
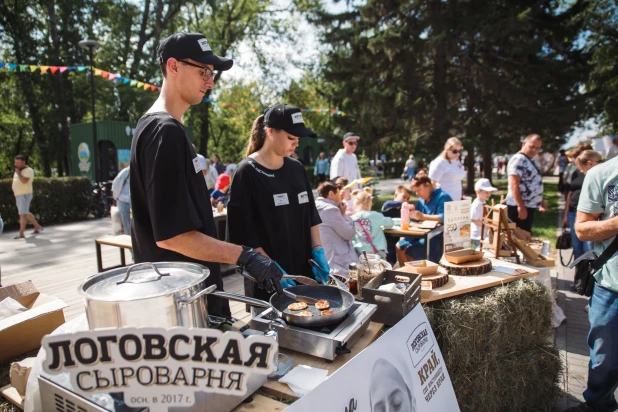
(99, 258)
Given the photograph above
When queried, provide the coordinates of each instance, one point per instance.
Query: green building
(113, 142)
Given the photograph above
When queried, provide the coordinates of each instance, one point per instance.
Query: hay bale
(496, 347)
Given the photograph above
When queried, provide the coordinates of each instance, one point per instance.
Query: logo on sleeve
(612, 193)
(303, 197)
(297, 118)
(204, 45)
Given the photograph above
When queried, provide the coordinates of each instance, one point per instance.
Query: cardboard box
(19, 373)
(23, 332)
(421, 267)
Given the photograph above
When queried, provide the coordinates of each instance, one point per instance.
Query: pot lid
(144, 280)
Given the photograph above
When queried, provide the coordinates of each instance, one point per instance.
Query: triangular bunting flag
(97, 72)
(112, 76)
(158, 88)
(44, 69)
(23, 67)
(63, 69)
(81, 68)
(153, 88)
(127, 81)
(1, 65)
(139, 84)
(146, 86)
(53, 69)
(12, 66)
(104, 74)
(133, 82)
(33, 68)
(119, 79)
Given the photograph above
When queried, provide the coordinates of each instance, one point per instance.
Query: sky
(306, 49)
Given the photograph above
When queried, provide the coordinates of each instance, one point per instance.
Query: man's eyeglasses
(352, 143)
(205, 72)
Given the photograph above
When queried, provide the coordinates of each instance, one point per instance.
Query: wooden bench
(120, 241)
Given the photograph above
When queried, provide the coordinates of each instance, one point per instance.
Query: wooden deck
(59, 259)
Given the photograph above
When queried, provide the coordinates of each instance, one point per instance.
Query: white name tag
(196, 165)
(204, 45)
(297, 118)
(281, 199)
(303, 197)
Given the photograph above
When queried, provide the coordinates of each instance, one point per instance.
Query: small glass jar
(353, 278)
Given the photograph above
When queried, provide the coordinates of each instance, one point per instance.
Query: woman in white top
(446, 171)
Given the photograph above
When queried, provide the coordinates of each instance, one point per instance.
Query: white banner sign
(457, 225)
(402, 371)
(159, 368)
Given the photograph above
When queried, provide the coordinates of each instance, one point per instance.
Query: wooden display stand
(478, 267)
(495, 218)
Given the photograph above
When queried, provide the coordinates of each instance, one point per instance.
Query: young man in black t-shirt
(172, 216)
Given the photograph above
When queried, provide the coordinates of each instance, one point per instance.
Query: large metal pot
(165, 294)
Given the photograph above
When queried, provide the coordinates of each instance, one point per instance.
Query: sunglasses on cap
(352, 143)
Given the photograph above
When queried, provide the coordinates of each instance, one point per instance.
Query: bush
(56, 200)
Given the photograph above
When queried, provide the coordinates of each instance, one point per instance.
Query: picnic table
(417, 230)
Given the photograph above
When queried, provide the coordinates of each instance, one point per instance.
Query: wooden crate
(392, 307)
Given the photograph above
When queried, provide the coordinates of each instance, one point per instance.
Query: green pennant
(24, 68)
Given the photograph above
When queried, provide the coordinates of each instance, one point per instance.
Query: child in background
(368, 224)
(346, 195)
(392, 208)
(483, 189)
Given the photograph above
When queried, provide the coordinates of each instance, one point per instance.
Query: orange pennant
(44, 69)
(104, 74)
(53, 69)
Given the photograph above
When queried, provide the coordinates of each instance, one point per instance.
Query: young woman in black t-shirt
(271, 206)
(585, 161)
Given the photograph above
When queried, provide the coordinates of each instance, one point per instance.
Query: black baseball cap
(192, 46)
(350, 135)
(288, 118)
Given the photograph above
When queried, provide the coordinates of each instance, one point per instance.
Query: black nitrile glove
(264, 270)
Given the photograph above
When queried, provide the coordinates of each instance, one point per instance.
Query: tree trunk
(204, 109)
(440, 117)
(64, 162)
(35, 115)
(470, 170)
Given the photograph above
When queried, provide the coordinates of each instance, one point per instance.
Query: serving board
(478, 267)
(461, 285)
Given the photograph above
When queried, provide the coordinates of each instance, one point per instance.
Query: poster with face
(402, 371)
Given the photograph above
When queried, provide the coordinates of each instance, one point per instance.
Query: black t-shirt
(169, 196)
(392, 208)
(274, 210)
(575, 187)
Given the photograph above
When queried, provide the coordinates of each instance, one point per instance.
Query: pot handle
(151, 265)
(198, 295)
(243, 299)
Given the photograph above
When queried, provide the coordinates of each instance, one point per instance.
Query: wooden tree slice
(437, 280)
(478, 267)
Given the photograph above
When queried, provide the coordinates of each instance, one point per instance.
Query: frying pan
(340, 301)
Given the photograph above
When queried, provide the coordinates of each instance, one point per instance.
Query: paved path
(59, 259)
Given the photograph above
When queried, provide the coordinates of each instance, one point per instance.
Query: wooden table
(459, 285)
(417, 232)
(120, 241)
